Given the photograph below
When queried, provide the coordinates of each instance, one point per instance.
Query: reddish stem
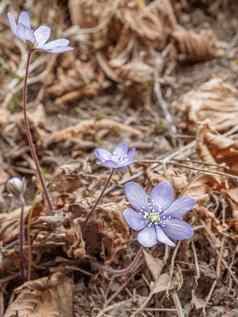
(22, 240)
(30, 138)
(99, 198)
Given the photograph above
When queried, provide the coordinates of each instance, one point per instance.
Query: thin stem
(29, 262)
(22, 239)
(132, 267)
(99, 197)
(30, 138)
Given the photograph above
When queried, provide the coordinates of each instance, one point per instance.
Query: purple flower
(22, 29)
(158, 216)
(119, 158)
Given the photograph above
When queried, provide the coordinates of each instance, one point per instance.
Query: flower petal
(131, 154)
(110, 164)
(177, 229)
(162, 195)
(136, 196)
(135, 220)
(180, 207)
(103, 155)
(12, 23)
(59, 49)
(60, 43)
(124, 163)
(121, 150)
(25, 34)
(24, 19)
(42, 34)
(162, 237)
(147, 237)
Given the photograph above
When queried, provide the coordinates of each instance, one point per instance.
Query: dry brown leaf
(75, 246)
(215, 101)
(70, 177)
(9, 225)
(91, 127)
(162, 284)
(199, 188)
(49, 296)
(136, 71)
(49, 234)
(232, 198)
(155, 265)
(123, 59)
(114, 232)
(195, 47)
(214, 148)
(152, 23)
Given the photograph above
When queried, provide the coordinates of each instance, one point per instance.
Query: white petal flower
(22, 29)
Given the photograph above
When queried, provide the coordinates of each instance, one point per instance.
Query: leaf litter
(101, 93)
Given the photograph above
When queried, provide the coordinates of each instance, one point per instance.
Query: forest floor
(160, 76)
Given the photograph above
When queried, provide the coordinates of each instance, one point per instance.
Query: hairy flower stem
(99, 198)
(22, 239)
(30, 138)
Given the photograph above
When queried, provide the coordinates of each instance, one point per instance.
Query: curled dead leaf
(199, 188)
(195, 47)
(216, 101)
(49, 296)
(92, 127)
(152, 23)
(214, 148)
(9, 225)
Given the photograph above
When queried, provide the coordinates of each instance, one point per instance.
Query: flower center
(153, 217)
(119, 158)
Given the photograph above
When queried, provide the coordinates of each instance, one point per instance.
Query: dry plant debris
(48, 296)
(215, 100)
(129, 64)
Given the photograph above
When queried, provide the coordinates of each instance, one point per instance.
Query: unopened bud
(16, 186)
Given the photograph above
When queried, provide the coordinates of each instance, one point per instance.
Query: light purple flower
(121, 157)
(22, 29)
(158, 216)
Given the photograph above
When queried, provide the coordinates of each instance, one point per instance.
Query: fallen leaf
(216, 101)
(215, 148)
(9, 225)
(195, 47)
(49, 296)
(155, 265)
(92, 127)
(162, 284)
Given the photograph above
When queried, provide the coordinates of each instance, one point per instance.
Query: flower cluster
(158, 216)
(22, 29)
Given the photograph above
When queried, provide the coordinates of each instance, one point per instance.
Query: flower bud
(16, 186)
